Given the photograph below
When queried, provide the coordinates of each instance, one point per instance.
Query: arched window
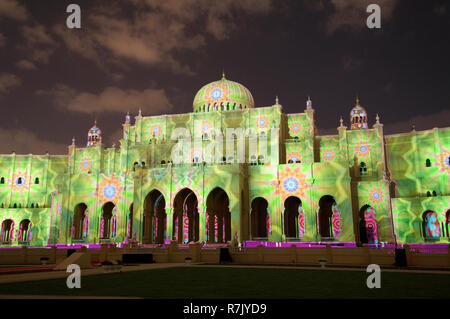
(253, 160)
(328, 218)
(434, 193)
(15, 205)
(430, 225)
(37, 205)
(32, 205)
(36, 180)
(163, 162)
(80, 221)
(2, 180)
(428, 163)
(25, 231)
(143, 164)
(107, 222)
(290, 161)
(362, 168)
(428, 194)
(260, 160)
(368, 229)
(7, 231)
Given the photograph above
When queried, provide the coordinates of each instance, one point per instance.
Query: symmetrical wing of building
(232, 170)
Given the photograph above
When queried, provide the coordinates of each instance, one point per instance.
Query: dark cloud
(13, 9)
(111, 99)
(25, 65)
(8, 81)
(22, 141)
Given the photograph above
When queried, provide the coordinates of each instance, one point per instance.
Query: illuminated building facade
(358, 185)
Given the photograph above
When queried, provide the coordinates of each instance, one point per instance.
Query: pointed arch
(108, 221)
(7, 234)
(79, 221)
(260, 218)
(218, 216)
(328, 218)
(368, 227)
(154, 219)
(430, 225)
(294, 225)
(25, 231)
(185, 218)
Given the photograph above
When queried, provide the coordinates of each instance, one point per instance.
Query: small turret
(94, 135)
(358, 117)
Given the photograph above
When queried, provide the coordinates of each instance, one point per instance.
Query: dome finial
(341, 121)
(357, 100)
(276, 100)
(309, 103)
(378, 119)
(223, 74)
(95, 122)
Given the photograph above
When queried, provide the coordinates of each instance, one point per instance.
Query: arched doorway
(218, 216)
(293, 219)
(108, 221)
(368, 229)
(25, 231)
(185, 218)
(260, 219)
(7, 231)
(430, 225)
(329, 218)
(80, 221)
(154, 221)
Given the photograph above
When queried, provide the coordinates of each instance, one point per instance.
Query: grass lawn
(192, 282)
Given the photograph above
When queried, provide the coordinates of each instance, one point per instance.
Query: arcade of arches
(186, 219)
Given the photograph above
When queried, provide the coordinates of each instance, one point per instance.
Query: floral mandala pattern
(362, 149)
(110, 189)
(262, 122)
(155, 130)
(295, 128)
(292, 182)
(328, 155)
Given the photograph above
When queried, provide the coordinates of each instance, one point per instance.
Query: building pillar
(169, 224)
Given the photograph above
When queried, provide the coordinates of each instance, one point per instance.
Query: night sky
(155, 55)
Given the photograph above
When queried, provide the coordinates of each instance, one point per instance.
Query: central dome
(223, 95)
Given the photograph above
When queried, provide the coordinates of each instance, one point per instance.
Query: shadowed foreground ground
(191, 282)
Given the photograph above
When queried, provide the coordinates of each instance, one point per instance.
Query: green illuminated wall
(395, 183)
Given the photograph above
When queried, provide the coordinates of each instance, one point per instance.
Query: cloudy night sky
(156, 54)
